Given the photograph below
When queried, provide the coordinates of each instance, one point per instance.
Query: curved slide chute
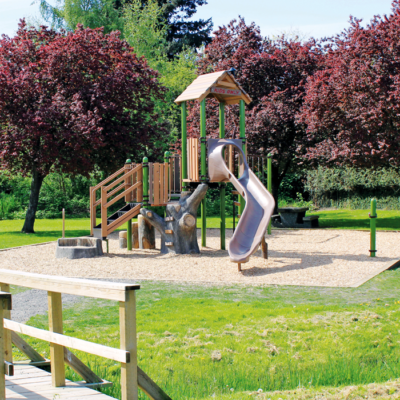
(259, 201)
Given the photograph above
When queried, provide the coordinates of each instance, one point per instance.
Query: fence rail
(132, 376)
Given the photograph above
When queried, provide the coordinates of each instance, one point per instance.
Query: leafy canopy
(72, 101)
(352, 106)
(180, 30)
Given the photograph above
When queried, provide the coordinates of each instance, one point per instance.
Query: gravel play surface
(315, 257)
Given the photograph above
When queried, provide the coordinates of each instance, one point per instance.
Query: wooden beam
(25, 348)
(56, 351)
(80, 368)
(129, 372)
(68, 341)
(80, 287)
(151, 389)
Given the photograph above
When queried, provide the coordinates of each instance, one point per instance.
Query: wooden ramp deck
(35, 384)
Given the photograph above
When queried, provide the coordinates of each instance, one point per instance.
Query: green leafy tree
(146, 31)
(180, 31)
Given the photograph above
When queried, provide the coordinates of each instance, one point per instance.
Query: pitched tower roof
(220, 85)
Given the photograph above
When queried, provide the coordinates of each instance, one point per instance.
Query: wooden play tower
(223, 87)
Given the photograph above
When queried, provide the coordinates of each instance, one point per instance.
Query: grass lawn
(50, 229)
(358, 219)
(203, 342)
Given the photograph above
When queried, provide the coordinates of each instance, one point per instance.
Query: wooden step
(235, 192)
(237, 203)
(169, 231)
(168, 219)
(169, 244)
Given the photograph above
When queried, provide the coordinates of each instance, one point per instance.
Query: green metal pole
(222, 185)
(184, 144)
(242, 122)
(203, 169)
(145, 181)
(269, 183)
(373, 216)
(129, 225)
(129, 235)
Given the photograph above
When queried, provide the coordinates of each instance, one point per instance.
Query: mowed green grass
(47, 230)
(202, 342)
(358, 219)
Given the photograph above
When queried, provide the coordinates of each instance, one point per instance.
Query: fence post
(127, 320)
(4, 287)
(5, 305)
(372, 222)
(56, 351)
(269, 184)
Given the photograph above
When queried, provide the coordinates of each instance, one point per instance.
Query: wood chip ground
(315, 257)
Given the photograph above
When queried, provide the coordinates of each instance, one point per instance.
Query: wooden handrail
(116, 190)
(78, 344)
(122, 178)
(111, 177)
(115, 199)
(80, 287)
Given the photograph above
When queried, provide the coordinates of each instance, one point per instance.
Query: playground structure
(158, 184)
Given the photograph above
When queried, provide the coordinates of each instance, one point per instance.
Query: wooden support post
(4, 287)
(103, 213)
(184, 144)
(63, 223)
(203, 170)
(56, 351)
(264, 248)
(127, 320)
(5, 305)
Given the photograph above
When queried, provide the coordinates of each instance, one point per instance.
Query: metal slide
(259, 202)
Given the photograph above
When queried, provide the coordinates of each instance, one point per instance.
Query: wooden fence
(132, 376)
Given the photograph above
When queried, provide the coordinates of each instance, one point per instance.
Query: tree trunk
(36, 184)
(179, 229)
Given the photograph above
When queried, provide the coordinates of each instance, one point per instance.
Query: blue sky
(316, 18)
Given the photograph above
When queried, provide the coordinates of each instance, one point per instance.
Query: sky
(317, 18)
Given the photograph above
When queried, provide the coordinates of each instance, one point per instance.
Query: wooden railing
(159, 178)
(128, 180)
(132, 377)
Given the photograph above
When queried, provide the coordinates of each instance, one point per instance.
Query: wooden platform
(33, 383)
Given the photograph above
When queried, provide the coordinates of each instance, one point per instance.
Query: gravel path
(317, 257)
